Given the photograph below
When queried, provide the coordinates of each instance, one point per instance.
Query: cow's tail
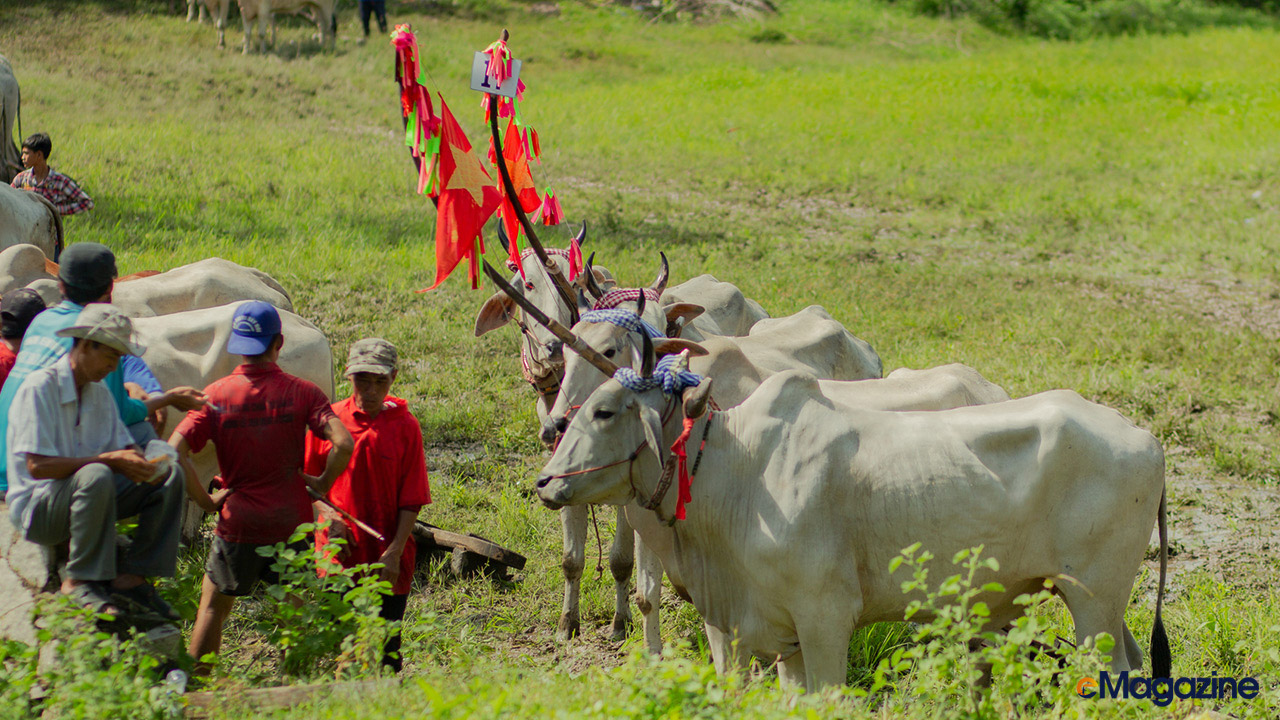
(1161, 656)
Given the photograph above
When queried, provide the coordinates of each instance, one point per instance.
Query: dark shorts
(235, 568)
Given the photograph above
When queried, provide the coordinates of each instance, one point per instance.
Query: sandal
(146, 598)
(92, 596)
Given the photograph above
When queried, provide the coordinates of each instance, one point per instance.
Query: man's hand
(315, 483)
(130, 463)
(219, 497)
(391, 564)
(186, 398)
(339, 530)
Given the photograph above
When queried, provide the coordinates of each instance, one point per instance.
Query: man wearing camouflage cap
(74, 470)
(384, 484)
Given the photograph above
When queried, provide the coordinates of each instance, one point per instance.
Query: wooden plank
(432, 535)
(203, 704)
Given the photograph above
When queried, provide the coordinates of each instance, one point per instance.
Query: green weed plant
(90, 674)
(322, 616)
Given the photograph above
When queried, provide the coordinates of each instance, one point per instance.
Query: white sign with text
(484, 84)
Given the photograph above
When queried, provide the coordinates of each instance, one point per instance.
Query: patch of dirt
(1224, 299)
(1222, 528)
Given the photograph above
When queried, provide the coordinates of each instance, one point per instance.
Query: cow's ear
(673, 346)
(652, 422)
(495, 313)
(696, 399)
(675, 311)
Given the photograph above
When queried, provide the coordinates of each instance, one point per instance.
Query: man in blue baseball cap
(257, 419)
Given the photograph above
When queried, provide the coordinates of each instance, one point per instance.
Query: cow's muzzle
(551, 497)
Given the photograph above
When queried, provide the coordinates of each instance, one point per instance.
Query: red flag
(517, 161)
(468, 198)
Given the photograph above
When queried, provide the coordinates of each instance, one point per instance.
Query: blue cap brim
(244, 345)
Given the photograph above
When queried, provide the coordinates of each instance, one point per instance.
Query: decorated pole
(571, 341)
(562, 285)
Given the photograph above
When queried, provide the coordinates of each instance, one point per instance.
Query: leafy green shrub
(939, 667)
(92, 674)
(325, 623)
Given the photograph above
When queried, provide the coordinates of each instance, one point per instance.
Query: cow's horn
(665, 272)
(581, 237)
(650, 357)
(502, 238)
(573, 342)
(640, 304)
(593, 287)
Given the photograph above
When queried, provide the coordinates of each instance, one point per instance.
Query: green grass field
(1100, 216)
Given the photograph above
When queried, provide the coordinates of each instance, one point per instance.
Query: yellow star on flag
(468, 174)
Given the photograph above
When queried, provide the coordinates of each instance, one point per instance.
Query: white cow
(207, 283)
(264, 12)
(739, 365)
(723, 307)
(190, 348)
(802, 502)
(727, 310)
(26, 217)
(204, 284)
(218, 10)
(10, 103)
(20, 265)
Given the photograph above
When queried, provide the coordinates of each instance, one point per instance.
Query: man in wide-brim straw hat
(74, 470)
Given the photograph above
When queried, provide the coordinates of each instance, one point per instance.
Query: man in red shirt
(18, 308)
(384, 485)
(257, 418)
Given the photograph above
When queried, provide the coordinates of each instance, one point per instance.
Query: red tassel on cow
(575, 259)
(685, 483)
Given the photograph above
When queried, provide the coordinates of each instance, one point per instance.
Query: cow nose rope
(599, 545)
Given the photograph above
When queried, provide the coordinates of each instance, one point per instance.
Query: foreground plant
(91, 674)
(322, 616)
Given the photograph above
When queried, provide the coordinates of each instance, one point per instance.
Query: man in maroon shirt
(257, 418)
(384, 485)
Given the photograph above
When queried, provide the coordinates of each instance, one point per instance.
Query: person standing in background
(57, 188)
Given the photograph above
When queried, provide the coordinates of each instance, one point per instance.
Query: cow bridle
(546, 384)
(654, 503)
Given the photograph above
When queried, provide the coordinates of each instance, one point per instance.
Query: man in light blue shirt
(85, 276)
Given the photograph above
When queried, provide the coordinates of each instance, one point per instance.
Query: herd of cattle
(812, 472)
(263, 12)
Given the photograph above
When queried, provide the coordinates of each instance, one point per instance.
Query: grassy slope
(1051, 214)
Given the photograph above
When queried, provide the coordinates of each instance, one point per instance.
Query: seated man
(74, 470)
(85, 276)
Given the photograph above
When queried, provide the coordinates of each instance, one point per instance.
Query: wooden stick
(573, 342)
(562, 285)
(346, 515)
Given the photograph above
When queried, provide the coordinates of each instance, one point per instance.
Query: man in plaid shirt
(57, 188)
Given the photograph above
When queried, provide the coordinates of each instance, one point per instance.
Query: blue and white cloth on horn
(664, 376)
(622, 319)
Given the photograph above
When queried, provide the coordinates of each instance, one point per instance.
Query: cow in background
(27, 218)
(263, 12)
(218, 10)
(10, 100)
